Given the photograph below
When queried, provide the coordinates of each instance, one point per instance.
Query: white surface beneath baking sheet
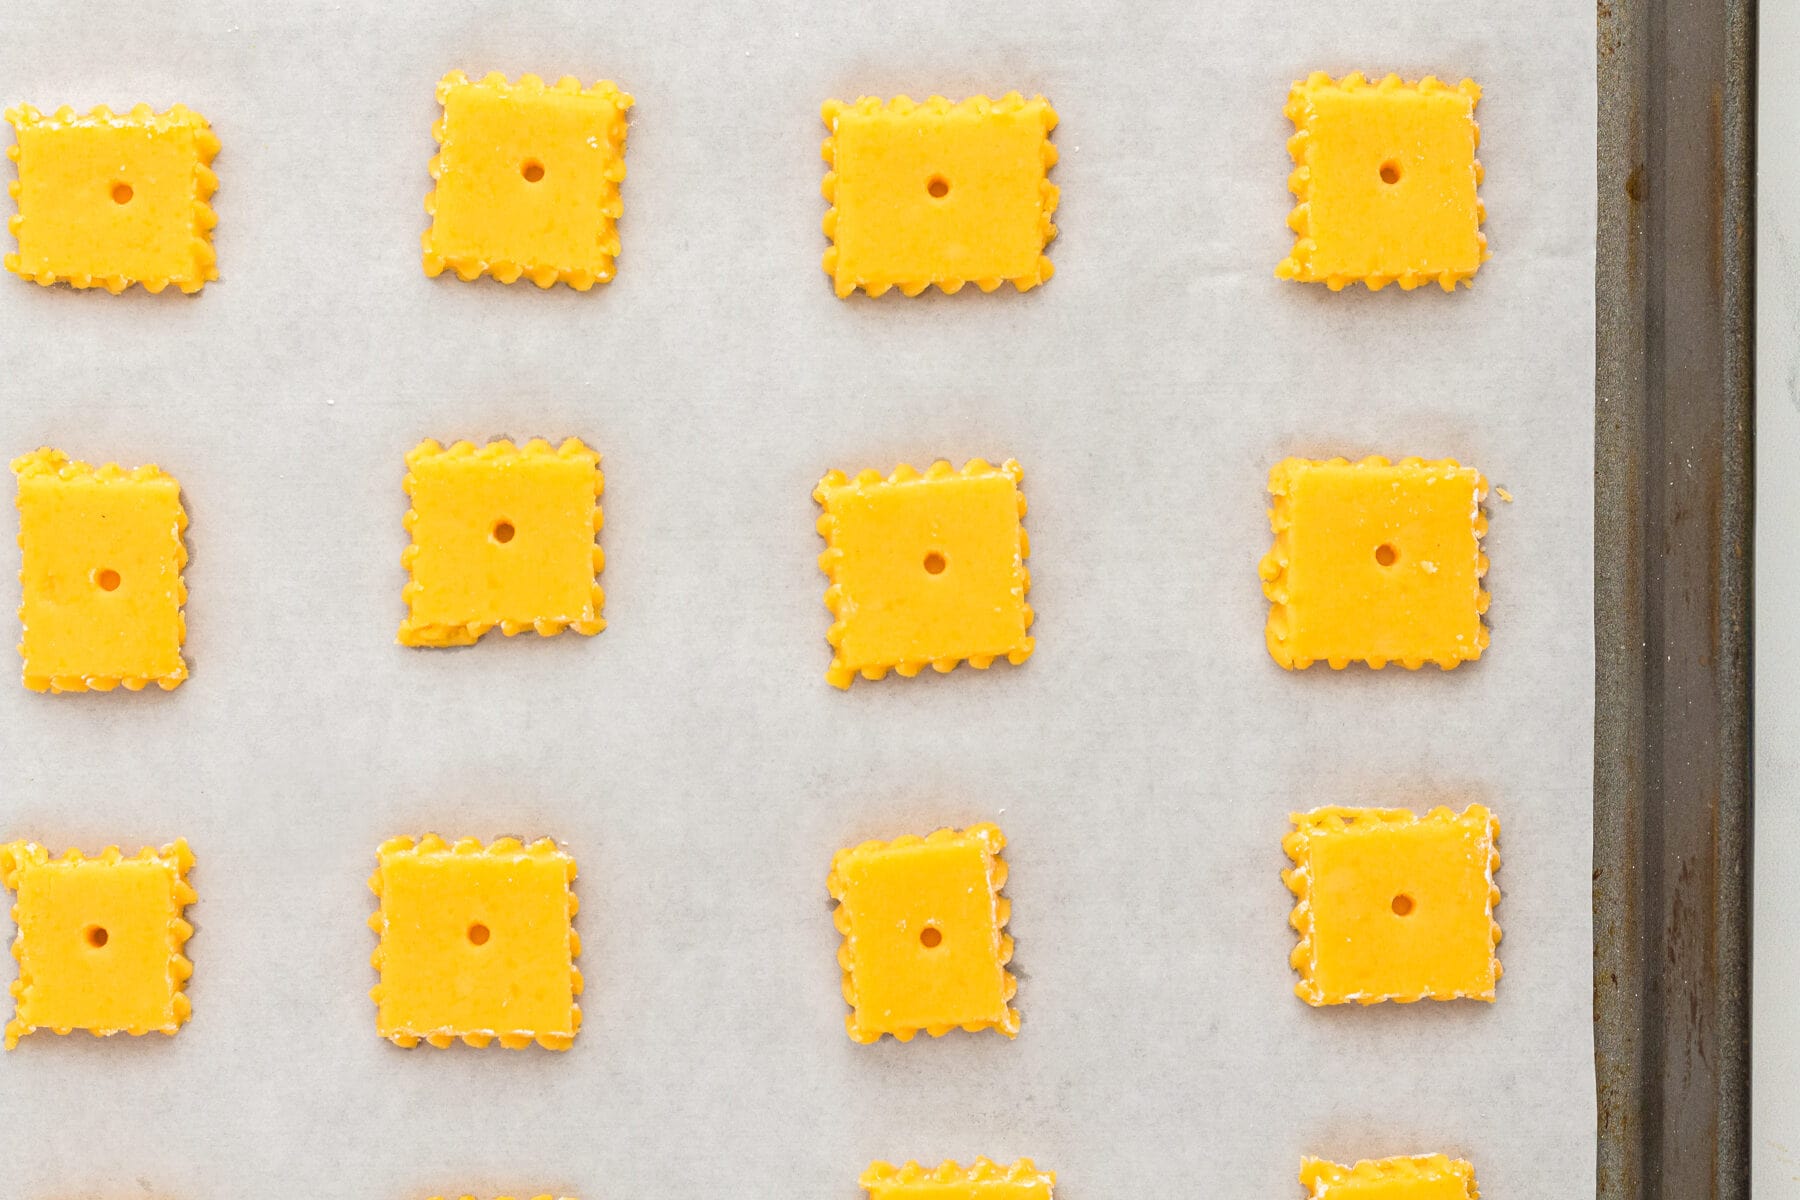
(1775, 917)
(692, 757)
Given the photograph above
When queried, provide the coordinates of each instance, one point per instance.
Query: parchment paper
(692, 756)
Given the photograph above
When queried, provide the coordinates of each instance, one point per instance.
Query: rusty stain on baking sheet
(1715, 194)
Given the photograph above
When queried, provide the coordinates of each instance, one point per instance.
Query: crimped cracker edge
(1321, 1176)
(982, 1170)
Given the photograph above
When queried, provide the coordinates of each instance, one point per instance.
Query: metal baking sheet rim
(1673, 419)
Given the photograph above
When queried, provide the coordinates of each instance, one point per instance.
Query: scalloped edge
(431, 845)
(432, 634)
(206, 147)
(16, 857)
(980, 105)
(1297, 845)
(1273, 567)
(988, 836)
(469, 267)
(840, 674)
(51, 462)
(1299, 109)
(1321, 1176)
(983, 1172)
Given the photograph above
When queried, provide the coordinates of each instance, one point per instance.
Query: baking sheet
(691, 756)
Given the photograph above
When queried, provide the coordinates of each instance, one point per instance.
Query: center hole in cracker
(532, 170)
(1386, 555)
(1390, 172)
(121, 193)
(478, 934)
(931, 937)
(503, 532)
(107, 579)
(937, 187)
(95, 935)
(934, 563)
(1403, 904)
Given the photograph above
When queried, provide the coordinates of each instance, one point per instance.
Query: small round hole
(1403, 904)
(121, 193)
(503, 532)
(533, 170)
(107, 579)
(95, 935)
(931, 937)
(934, 563)
(1390, 172)
(1386, 555)
(938, 187)
(478, 934)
